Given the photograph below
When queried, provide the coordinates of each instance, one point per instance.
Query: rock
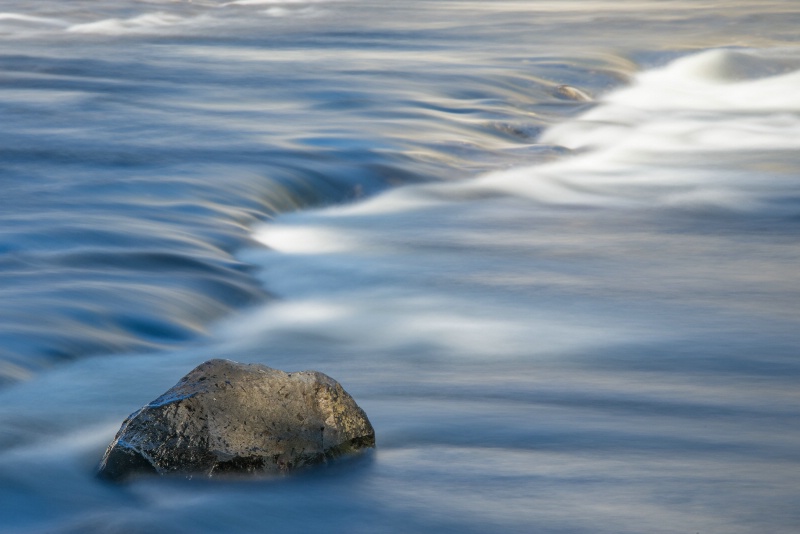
(567, 92)
(228, 417)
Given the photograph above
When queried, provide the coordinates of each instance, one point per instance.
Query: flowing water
(551, 249)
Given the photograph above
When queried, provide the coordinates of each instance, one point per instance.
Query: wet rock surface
(228, 417)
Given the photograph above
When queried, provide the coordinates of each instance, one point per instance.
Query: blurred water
(549, 247)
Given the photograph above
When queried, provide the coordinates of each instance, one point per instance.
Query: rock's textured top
(228, 417)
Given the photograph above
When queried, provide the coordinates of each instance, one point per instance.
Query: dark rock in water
(228, 417)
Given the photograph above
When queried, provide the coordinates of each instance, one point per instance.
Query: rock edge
(226, 417)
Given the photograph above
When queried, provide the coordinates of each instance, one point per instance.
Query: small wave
(19, 17)
(19, 25)
(280, 8)
(273, 2)
(140, 24)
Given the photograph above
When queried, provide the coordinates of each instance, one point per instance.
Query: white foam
(145, 23)
(19, 17)
(303, 240)
(273, 2)
(675, 137)
(392, 320)
(283, 12)
(88, 438)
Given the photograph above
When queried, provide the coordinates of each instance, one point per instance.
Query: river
(549, 247)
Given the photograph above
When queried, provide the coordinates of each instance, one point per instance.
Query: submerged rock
(228, 417)
(567, 92)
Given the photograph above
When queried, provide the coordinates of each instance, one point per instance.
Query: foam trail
(273, 2)
(677, 138)
(489, 268)
(362, 273)
(21, 17)
(148, 22)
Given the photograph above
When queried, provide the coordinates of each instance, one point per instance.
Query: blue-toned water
(551, 249)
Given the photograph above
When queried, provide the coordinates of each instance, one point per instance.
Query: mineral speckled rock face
(228, 417)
